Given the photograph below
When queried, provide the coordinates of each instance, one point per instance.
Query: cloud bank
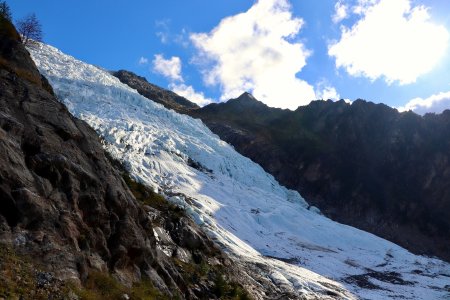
(393, 40)
(171, 69)
(255, 51)
(327, 92)
(340, 12)
(143, 60)
(436, 103)
(189, 93)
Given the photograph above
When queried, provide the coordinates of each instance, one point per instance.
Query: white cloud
(392, 40)
(340, 12)
(327, 93)
(436, 103)
(189, 93)
(143, 60)
(170, 68)
(164, 33)
(363, 5)
(182, 38)
(254, 51)
(163, 37)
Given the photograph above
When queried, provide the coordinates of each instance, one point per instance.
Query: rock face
(165, 97)
(363, 164)
(64, 204)
(58, 191)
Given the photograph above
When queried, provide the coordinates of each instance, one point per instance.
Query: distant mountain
(362, 164)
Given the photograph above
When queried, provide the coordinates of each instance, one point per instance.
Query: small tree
(5, 11)
(30, 29)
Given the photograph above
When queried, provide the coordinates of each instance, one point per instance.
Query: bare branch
(30, 29)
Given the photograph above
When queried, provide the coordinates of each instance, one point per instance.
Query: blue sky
(284, 52)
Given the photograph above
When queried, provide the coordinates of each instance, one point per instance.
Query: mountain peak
(246, 96)
(246, 100)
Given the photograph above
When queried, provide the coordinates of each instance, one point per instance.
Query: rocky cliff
(67, 215)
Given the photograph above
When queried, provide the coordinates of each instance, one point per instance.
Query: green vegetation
(18, 274)
(100, 286)
(229, 290)
(223, 287)
(146, 196)
(21, 277)
(18, 278)
(15, 274)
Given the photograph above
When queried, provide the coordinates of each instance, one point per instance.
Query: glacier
(258, 223)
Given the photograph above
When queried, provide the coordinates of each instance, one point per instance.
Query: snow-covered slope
(270, 229)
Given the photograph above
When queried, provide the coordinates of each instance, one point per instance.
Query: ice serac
(284, 243)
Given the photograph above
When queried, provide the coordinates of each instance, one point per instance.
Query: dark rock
(165, 97)
(44, 279)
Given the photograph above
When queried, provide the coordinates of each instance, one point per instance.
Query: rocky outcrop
(167, 98)
(59, 193)
(63, 204)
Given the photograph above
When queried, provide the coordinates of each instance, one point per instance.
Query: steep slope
(54, 173)
(363, 164)
(287, 247)
(66, 213)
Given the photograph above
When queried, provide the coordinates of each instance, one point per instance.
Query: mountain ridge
(165, 97)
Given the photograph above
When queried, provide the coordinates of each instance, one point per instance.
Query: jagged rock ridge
(165, 97)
